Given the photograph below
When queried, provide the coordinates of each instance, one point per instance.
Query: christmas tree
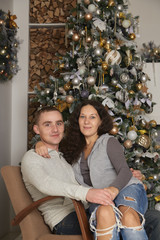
(8, 46)
(102, 62)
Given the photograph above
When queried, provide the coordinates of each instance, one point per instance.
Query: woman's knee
(105, 213)
(130, 218)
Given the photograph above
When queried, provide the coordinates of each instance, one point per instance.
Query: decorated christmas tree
(102, 62)
(8, 46)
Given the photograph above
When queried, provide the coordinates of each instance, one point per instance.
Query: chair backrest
(32, 226)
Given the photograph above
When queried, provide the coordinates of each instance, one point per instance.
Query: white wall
(13, 108)
(149, 20)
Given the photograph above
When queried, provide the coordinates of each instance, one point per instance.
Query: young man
(54, 176)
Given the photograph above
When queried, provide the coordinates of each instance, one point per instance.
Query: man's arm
(35, 173)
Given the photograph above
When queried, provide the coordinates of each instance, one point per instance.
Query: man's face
(50, 128)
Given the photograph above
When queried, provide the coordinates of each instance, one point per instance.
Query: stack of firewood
(50, 11)
(44, 43)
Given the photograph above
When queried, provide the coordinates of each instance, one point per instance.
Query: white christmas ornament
(132, 135)
(91, 8)
(126, 23)
(113, 57)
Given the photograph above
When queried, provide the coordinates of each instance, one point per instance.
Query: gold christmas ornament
(102, 42)
(111, 3)
(1, 21)
(128, 143)
(69, 99)
(67, 86)
(153, 123)
(61, 65)
(157, 147)
(121, 15)
(107, 46)
(139, 86)
(132, 36)
(88, 39)
(133, 128)
(88, 16)
(104, 66)
(75, 37)
(144, 141)
(131, 92)
(87, 2)
(114, 130)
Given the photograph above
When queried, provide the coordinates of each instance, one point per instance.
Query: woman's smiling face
(89, 121)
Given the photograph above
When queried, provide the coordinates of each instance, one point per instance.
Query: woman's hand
(137, 174)
(112, 191)
(41, 149)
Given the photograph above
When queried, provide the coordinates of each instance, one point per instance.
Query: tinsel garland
(8, 46)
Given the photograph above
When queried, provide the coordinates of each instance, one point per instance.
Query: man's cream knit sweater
(51, 176)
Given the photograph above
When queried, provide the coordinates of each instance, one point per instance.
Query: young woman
(98, 160)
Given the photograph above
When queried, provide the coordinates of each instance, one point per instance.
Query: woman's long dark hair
(74, 142)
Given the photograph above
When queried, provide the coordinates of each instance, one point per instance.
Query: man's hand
(41, 149)
(100, 196)
(137, 174)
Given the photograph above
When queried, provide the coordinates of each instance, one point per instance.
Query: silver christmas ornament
(114, 82)
(149, 96)
(70, 33)
(82, 33)
(80, 14)
(103, 89)
(47, 90)
(93, 71)
(98, 51)
(66, 65)
(144, 78)
(66, 78)
(75, 81)
(124, 77)
(79, 61)
(98, 11)
(91, 80)
(120, 7)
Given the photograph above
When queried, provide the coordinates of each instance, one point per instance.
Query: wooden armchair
(29, 218)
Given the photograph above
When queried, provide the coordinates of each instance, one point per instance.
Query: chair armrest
(27, 210)
(79, 208)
